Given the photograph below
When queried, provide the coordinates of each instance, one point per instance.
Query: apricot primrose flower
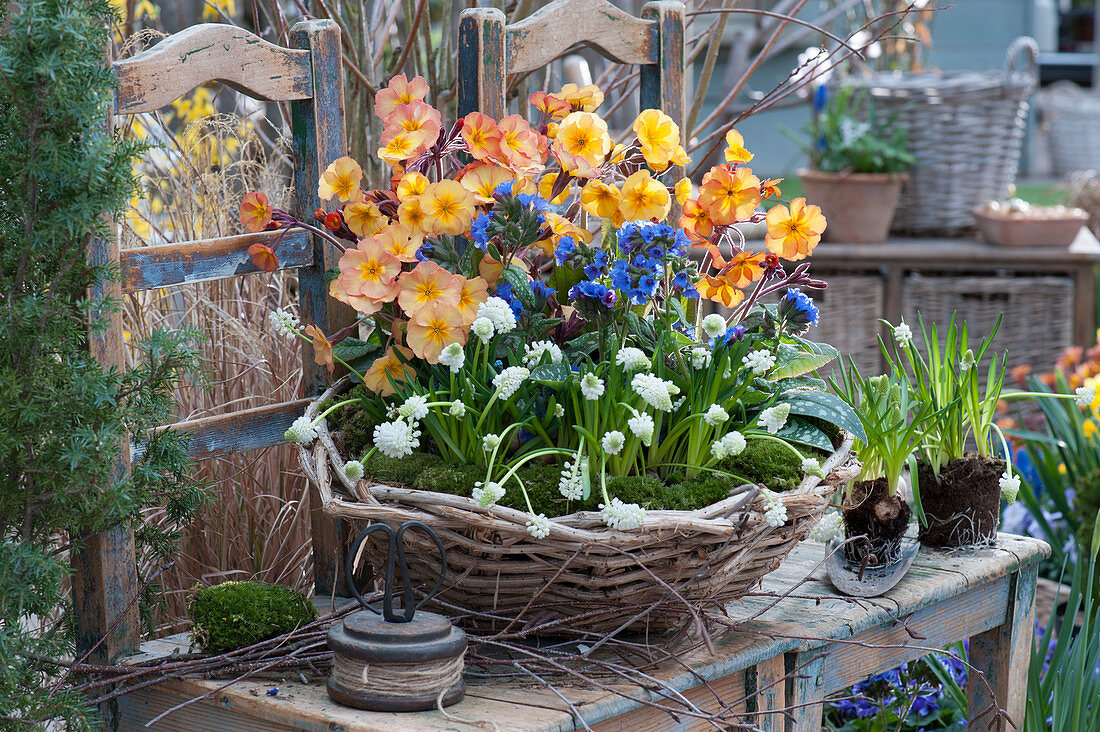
(412, 184)
(338, 290)
(425, 284)
(448, 208)
(482, 179)
(417, 116)
(369, 270)
(363, 218)
(411, 214)
(400, 91)
(683, 190)
(263, 257)
(519, 144)
(644, 198)
(322, 348)
(770, 188)
(340, 180)
(600, 199)
(473, 291)
(735, 148)
(793, 233)
(434, 327)
(255, 211)
(400, 241)
(744, 268)
(390, 369)
(659, 137)
(551, 106)
(482, 136)
(695, 221)
(584, 98)
(399, 145)
(584, 135)
(729, 196)
(546, 189)
(720, 289)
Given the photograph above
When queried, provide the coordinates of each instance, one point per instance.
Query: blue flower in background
(533, 201)
(589, 290)
(504, 292)
(479, 230)
(821, 97)
(543, 290)
(566, 246)
(800, 308)
(503, 189)
(593, 271)
(925, 704)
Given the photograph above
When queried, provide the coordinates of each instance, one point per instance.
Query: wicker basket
(966, 131)
(583, 576)
(1071, 117)
(850, 308)
(1034, 328)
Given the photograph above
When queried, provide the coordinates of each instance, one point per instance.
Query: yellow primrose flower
(448, 208)
(683, 190)
(584, 135)
(659, 137)
(340, 180)
(644, 198)
(546, 187)
(600, 199)
(735, 148)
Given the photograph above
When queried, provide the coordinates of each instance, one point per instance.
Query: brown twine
(397, 680)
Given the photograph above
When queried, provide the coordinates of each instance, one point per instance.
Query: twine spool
(428, 679)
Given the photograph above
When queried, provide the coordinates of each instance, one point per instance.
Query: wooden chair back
(308, 76)
(489, 49)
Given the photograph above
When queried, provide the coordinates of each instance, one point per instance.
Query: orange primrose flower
(263, 257)
(255, 211)
(400, 241)
(519, 144)
(474, 291)
(434, 327)
(389, 366)
(744, 268)
(735, 148)
(417, 116)
(340, 180)
(728, 196)
(683, 190)
(584, 99)
(425, 284)
(481, 179)
(659, 137)
(322, 348)
(399, 145)
(770, 188)
(400, 91)
(695, 221)
(481, 135)
(793, 233)
(644, 198)
(448, 208)
(412, 184)
(600, 199)
(490, 268)
(719, 289)
(363, 218)
(338, 290)
(549, 104)
(369, 269)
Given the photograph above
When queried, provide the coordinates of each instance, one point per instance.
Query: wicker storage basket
(850, 308)
(1071, 117)
(965, 129)
(1035, 327)
(583, 576)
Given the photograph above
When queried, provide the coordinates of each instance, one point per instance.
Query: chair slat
(544, 35)
(211, 52)
(248, 429)
(162, 265)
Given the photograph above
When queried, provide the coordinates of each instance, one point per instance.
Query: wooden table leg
(806, 692)
(770, 694)
(1004, 653)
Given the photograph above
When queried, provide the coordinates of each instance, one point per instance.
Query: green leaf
(521, 286)
(793, 361)
(552, 374)
(805, 433)
(826, 407)
(350, 349)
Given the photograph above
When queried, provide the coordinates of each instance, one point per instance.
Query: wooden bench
(984, 594)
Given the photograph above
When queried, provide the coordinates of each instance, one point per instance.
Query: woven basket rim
(719, 518)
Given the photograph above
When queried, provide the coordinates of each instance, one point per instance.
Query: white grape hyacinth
(571, 485)
(700, 358)
(483, 329)
(490, 442)
(499, 314)
(903, 334)
(458, 409)
(396, 439)
(732, 444)
(612, 442)
(1010, 487)
(632, 359)
(509, 380)
(533, 353)
(641, 424)
(774, 418)
(655, 391)
(1086, 395)
(284, 323)
(453, 356)
(830, 527)
(415, 408)
(714, 325)
(487, 494)
(302, 431)
(622, 516)
(760, 361)
(592, 386)
(353, 470)
(776, 512)
(538, 526)
(715, 415)
(559, 411)
(811, 466)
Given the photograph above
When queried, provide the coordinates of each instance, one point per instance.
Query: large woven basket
(1071, 117)
(583, 576)
(966, 131)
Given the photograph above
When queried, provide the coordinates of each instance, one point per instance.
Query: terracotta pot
(858, 206)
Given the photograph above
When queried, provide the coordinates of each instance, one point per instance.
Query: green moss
(767, 462)
(237, 614)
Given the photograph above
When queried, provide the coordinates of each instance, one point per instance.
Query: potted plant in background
(857, 166)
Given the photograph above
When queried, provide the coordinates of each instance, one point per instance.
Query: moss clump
(767, 462)
(237, 614)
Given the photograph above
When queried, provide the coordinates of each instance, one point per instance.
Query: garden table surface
(986, 594)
